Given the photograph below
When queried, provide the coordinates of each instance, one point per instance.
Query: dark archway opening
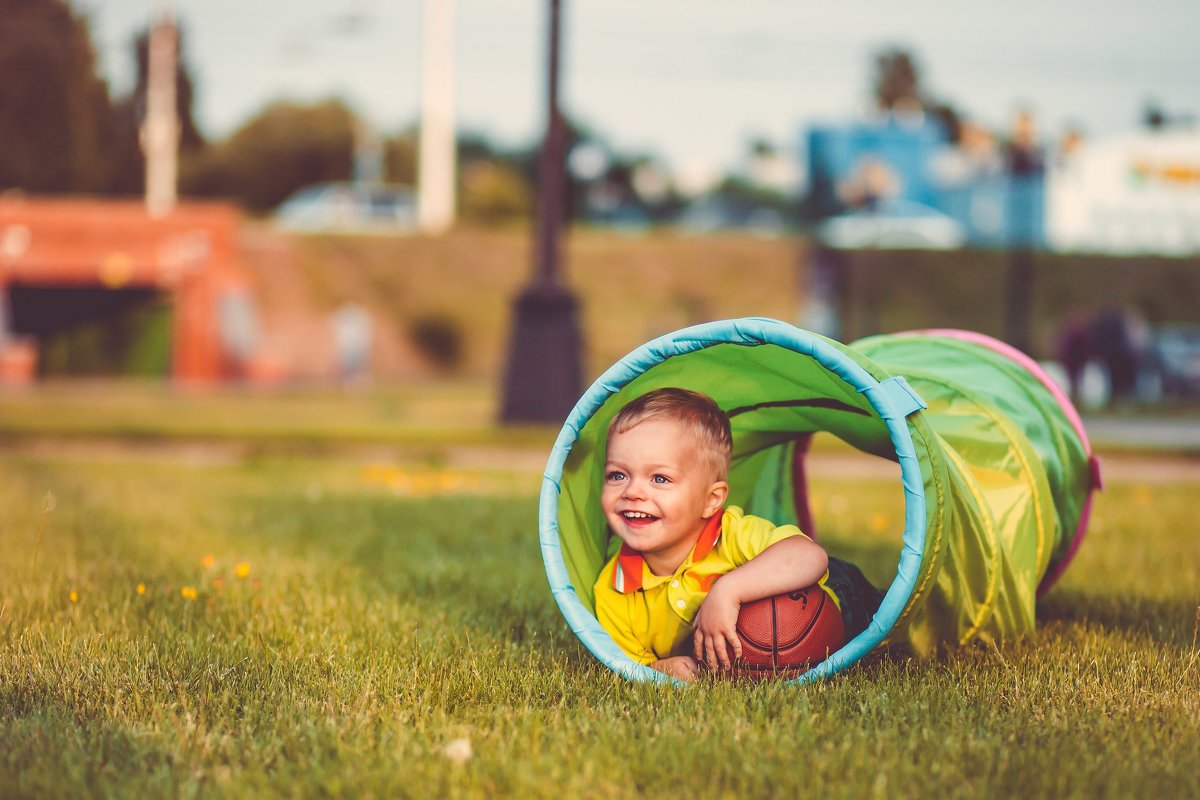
(94, 331)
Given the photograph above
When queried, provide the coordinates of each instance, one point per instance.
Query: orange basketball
(788, 633)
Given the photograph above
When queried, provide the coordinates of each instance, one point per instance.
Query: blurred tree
(494, 184)
(897, 87)
(747, 195)
(762, 147)
(400, 158)
(286, 147)
(54, 109)
(127, 167)
(493, 192)
(897, 83)
(949, 118)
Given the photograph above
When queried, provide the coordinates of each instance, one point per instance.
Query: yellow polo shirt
(650, 616)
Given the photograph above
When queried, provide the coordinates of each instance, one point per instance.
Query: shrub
(439, 338)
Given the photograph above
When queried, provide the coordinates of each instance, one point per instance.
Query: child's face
(659, 490)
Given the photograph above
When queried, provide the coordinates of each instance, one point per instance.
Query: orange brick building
(190, 256)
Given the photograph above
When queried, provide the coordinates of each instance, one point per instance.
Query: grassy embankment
(630, 290)
(634, 288)
(256, 625)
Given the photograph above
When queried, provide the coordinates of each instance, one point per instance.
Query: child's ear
(717, 494)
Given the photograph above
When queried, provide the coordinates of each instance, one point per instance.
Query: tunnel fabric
(995, 477)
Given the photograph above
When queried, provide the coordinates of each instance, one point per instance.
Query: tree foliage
(897, 80)
(897, 87)
(400, 157)
(285, 147)
(54, 110)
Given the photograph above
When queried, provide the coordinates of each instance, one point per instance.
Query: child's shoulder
(740, 529)
(735, 518)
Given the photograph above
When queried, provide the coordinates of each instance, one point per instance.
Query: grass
(428, 415)
(384, 612)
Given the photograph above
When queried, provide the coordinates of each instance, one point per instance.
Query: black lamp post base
(545, 371)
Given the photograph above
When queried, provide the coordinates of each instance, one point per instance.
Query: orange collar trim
(627, 577)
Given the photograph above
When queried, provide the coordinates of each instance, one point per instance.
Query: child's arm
(787, 565)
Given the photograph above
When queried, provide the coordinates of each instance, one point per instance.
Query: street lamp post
(436, 153)
(544, 374)
(160, 130)
(1024, 170)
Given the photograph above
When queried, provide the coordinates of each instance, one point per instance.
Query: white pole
(435, 176)
(160, 130)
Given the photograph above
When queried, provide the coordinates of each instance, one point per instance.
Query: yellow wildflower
(188, 592)
(73, 596)
(141, 588)
(376, 473)
(207, 562)
(242, 570)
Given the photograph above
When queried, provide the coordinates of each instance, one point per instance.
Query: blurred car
(714, 213)
(346, 207)
(898, 225)
(1177, 359)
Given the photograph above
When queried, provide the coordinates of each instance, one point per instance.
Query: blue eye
(660, 479)
(615, 476)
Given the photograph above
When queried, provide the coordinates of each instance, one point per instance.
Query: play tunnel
(996, 470)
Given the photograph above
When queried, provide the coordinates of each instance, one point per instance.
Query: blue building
(901, 182)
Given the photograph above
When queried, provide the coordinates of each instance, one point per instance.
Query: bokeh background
(204, 193)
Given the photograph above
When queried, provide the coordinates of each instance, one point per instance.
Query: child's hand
(682, 667)
(716, 629)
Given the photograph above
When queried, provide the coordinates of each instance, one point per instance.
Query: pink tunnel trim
(1072, 415)
(804, 517)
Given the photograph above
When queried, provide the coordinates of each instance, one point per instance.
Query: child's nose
(635, 489)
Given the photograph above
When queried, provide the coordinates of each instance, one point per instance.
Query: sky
(690, 81)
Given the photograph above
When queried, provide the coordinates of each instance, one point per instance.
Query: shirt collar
(627, 577)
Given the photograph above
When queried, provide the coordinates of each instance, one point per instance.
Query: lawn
(286, 624)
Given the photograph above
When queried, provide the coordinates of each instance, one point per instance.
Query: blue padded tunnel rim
(889, 404)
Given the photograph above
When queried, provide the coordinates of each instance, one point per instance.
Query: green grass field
(304, 626)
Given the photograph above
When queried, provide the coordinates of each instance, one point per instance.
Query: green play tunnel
(995, 467)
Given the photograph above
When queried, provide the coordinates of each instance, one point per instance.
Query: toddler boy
(670, 598)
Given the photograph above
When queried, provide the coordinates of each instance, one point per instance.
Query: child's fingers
(710, 652)
(735, 644)
(722, 649)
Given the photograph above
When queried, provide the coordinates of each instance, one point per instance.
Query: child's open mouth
(638, 517)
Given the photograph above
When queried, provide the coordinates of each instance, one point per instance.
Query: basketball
(787, 634)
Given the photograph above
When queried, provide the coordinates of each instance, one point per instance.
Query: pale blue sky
(690, 80)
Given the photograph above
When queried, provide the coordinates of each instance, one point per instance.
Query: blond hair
(697, 412)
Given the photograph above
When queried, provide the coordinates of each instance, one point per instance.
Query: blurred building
(1126, 195)
(901, 182)
(71, 263)
(884, 183)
